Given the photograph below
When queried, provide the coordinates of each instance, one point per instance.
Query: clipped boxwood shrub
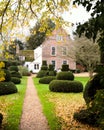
(86, 117)
(7, 75)
(15, 74)
(65, 67)
(1, 118)
(44, 67)
(65, 76)
(52, 73)
(47, 79)
(65, 86)
(7, 88)
(51, 67)
(42, 73)
(15, 80)
(92, 86)
(13, 68)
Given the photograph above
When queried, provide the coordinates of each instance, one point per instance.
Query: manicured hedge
(86, 117)
(65, 76)
(47, 79)
(92, 86)
(42, 73)
(15, 74)
(65, 86)
(13, 68)
(7, 88)
(7, 75)
(15, 80)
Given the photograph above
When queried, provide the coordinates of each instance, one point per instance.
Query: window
(36, 66)
(53, 63)
(59, 38)
(64, 51)
(64, 62)
(53, 51)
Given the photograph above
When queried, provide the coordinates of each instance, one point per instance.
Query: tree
(18, 13)
(38, 38)
(87, 54)
(94, 28)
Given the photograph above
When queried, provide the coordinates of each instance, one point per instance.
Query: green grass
(50, 100)
(82, 79)
(13, 107)
(48, 107)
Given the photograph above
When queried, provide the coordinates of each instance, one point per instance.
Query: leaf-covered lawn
(65, 104)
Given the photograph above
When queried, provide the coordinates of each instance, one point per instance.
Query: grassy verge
(60, 107)
(12, 107)
(48, 107)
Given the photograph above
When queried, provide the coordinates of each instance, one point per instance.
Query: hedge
(47, 79)
(65, 76)
(15, 80)
(7, 88)
(65, 86)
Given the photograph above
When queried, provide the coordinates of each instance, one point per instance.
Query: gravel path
(32, 116)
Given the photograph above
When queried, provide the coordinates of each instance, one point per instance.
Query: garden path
(32, 115)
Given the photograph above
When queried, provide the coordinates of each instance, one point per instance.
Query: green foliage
(94, 28)
(1, 118)
(47, 79)
(15, 80)
(52, 73)
(51, 67)
(86, 117)
(7, 64)
(65, 86)
(92, 86)
(39, 37)
(42, 73)
(65, 67)
(7, 88)
(44, 67)
(65, 76)
(13, 68)
(94, 114)
(44, 63)
(7, 75)
(15, 74)
(24, 71)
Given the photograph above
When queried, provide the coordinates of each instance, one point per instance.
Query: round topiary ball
(65, 76)
(15, 80)
(7, 88)
(7, 75)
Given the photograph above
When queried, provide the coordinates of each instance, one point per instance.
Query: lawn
(11, 107)
(60, 107)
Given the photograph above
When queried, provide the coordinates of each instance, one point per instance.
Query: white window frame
(59, 38)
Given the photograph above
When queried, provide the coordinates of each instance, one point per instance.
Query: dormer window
(53, 51)
(59, 38)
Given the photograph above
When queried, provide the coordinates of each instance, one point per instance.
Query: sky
(77, 15)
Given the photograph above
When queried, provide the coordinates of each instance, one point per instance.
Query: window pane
(64, 62)
(53, 51)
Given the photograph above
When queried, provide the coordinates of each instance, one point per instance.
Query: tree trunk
(90, 74)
